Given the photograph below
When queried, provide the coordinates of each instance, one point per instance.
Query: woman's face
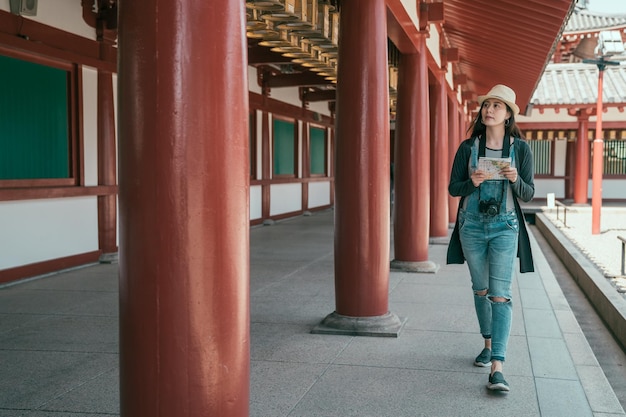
(494, 112)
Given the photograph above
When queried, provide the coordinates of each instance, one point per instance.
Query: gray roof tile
(577, 83)
(585, 21)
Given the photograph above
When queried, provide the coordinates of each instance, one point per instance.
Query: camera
(490, 207)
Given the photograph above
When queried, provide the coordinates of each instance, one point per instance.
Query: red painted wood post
(581, 173)
(184, 209)
(412, 165)
(439, 160)
(453, 144)
(107, 167)
(362, 154)
(598, 163)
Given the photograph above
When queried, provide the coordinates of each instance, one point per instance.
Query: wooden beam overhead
(294, 80)
(320, 95)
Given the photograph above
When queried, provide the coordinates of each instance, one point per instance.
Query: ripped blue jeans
(490, 248)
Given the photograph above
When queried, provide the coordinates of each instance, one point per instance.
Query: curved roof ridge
(586, 21)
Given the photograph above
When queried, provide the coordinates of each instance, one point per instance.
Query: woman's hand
(510, 173)
(478, 177)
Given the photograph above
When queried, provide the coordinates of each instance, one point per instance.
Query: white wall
(560, 150)
(543, 186)
(285, 198)
(256, 200)
(66, 15)
(40, 230)
(610, 189)
(319, 194)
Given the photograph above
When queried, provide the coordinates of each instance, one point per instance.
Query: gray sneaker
(497, 382)
(484, 359)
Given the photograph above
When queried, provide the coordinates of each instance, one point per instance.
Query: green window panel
(34, 121)
(542, 152)
(614, 157)
(284, 148)
(317, 150)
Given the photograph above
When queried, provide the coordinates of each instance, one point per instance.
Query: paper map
(492, 167)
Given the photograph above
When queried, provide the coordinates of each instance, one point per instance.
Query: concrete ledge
(388, 325)
(609, 304)
(408, 266)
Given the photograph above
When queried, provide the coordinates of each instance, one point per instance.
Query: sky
(607, 6)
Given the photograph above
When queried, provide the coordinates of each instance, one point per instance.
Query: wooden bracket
(459, 79)
(430, 13)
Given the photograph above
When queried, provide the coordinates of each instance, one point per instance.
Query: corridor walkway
(59, 342)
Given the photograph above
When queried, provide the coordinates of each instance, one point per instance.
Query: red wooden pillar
(184, 202)
(570, 168)
(412, 165)
(453, 144)
(581, 173)
(331, 165)
(439, 170)
(597, 166)
(107, 168)
(362, 174)
(107, 161)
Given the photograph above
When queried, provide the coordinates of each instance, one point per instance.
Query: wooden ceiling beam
(304, 79)
(318, 95)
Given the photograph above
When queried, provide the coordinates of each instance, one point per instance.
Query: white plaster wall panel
(611, 189)
(319, 194)
(611, 115)
(256, 200)
(320, 107)
(253, 84)
(432, 42)
(549, 115)
(286, 95)
(62, 14)
(450, 76)
(259, 144)
(543, 186)
(39, 230)
(90, 125)
(560, 157)
(285, 198)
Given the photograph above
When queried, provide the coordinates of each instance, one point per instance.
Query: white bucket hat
(503, 93)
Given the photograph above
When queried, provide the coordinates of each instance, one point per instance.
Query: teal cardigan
(461, 185)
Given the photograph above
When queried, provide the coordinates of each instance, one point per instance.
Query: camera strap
(506, 147)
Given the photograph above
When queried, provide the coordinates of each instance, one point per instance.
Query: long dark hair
(478, 128)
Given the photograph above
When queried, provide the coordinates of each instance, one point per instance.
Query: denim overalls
(490, 248)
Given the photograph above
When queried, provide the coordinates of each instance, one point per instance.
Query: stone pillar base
(409, 266)
(109, 258)
(388, 325)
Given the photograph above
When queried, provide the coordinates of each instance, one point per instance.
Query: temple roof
(572, 84)
(563, 85)
(584, 21)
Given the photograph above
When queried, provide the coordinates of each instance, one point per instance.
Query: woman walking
(491, 171)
